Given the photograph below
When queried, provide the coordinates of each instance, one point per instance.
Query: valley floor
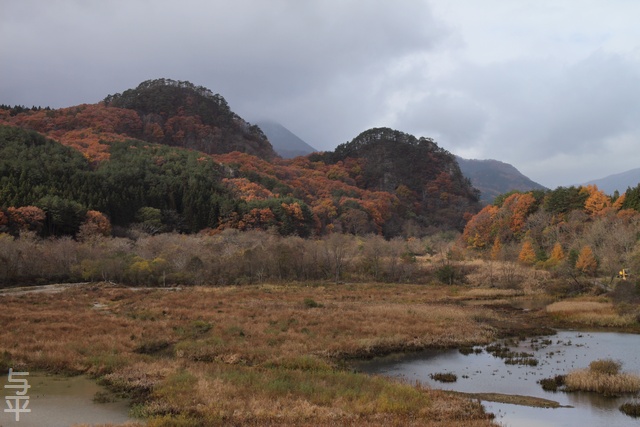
(259, 355)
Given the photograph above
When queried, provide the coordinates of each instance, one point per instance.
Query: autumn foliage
(587, 262)
(383, 181)
(527, 254)
(575, 230)
(88, 127)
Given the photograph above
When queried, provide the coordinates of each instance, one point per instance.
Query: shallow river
(61, 401)
(483, 373)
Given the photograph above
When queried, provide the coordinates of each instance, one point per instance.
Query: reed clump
(603, 376)
(589, 313)
(444, 377)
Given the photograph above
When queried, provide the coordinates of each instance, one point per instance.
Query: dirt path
(46, 289)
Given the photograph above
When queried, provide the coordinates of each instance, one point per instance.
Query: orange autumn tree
(557, 253)
(26, 218)
(587, 262)
(527, 254)
(556, 257)
(519, 206)
(477, 233)
(95, 224)
(597, 202)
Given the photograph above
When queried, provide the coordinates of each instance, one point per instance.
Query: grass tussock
(631, 408)
(254, 355)
(603, 376)
(552, 384)
(589, 313)
(444, 377)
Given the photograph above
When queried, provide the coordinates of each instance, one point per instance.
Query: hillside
(425, 177)
(161, 111)
(493, 178)
(170, 156)
(620, 181)
(284, 142)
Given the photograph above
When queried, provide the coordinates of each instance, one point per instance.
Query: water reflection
(556, 355)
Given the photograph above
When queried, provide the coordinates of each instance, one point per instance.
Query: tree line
(571, 231)
(231, 257)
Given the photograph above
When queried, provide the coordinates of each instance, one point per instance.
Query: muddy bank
(513, 399)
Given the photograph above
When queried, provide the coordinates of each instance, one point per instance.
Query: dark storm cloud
(548, 86)
(312, 65)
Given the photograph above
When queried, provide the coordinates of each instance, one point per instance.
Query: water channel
(481, 372)
(57, 401)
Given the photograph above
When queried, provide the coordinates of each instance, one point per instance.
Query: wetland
(510, 387)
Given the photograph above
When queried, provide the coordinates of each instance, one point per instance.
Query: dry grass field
(603, 376)
(252, 355)
(590, 312)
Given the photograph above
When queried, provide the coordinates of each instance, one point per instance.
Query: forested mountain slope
(182, 114)
(170, 156)
(162, 111)
(425, 177)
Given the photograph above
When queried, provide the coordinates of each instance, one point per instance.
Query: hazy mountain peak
(284, 142)
(619, 181)
(493, 177)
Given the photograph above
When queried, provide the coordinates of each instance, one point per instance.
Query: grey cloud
(330, 69)
(305, 63)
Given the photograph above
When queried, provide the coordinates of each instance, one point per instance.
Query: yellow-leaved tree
(527, 254)
(597, 202)
(556, 257)
(587, 262)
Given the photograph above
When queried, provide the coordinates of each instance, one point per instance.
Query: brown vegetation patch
(248, 355)
(514, 399)
(589, 312)
(603, 376)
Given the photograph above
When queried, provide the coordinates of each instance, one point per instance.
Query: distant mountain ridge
(287, 144)
(172, 156)
(619, 181)
(493, 177)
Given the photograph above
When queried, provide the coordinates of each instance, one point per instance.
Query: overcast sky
(550, 86)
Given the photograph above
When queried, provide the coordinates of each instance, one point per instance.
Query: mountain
(284, 142)
(620, 181)
(424, 177)
(170, 155)
(493, 178)
(163, 111)
(181, 114)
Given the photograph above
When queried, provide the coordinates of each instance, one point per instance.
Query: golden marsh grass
(602, 376)
(254, 355)
(589, 313)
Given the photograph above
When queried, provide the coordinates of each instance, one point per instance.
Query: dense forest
(126, 184)
(181, 114)
(172, 156)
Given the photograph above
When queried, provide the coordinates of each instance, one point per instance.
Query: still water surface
(484, 373)
(62, 401)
